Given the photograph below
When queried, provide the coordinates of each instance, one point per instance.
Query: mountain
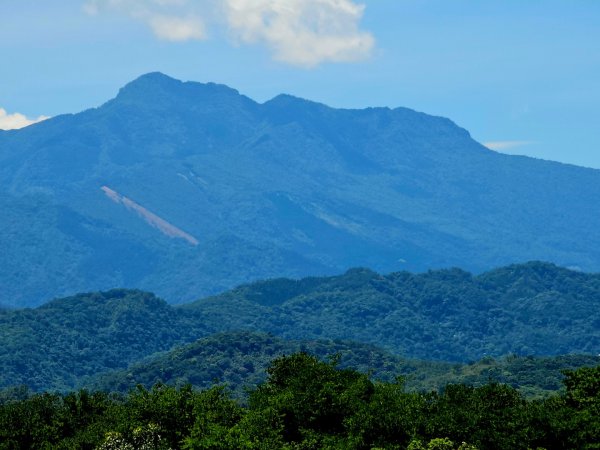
(188, 189)
(55, 345)
(445, 315)
(240, 359)
(450, 315)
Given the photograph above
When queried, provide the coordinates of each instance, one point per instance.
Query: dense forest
(239, 360)
(441, 360)
(308, 404)
(449, 315)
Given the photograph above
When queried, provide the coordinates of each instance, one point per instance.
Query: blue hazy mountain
(188, 189)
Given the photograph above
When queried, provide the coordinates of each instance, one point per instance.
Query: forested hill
(54, 345)
(239, 361)
(529, 309)
(177, 188)
(533, 308)
(309, 404)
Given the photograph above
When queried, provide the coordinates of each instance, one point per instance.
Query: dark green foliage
(76, 420)
(531, 376)
(215, 414)
(239, 360)
(527, 309)
(59, 343)
(583, 396)
(306, 403)
(311, 397)
(491, 416)
(530, 309)
(171, 410)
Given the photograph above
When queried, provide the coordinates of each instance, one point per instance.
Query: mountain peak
(158, 87)
(286, 100)
(155, 77)
(150, 81)
(150, 87)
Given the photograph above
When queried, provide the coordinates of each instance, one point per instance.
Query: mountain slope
(284, 188)
(535, 308)
(239, 360)
(53, 346)
(451, 315)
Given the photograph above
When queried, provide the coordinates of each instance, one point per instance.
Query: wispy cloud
(304, 33)
(506, 145)
(177, 28)
(16, 120)
(171, 20)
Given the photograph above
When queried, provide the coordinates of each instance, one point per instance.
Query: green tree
(215, 417)
(493, 416)
(312, 398)
(583, 397)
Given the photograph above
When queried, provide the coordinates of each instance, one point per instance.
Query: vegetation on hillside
(309, 404)
(451, 315)
(53, 346)
(239, 360)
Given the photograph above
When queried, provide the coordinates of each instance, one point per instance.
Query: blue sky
(523, 75)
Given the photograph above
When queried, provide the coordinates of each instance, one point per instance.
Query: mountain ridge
(445, 315)
(238, 360)
(287, 187)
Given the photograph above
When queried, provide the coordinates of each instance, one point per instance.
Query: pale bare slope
(157, 222)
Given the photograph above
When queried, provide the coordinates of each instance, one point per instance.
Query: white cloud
(16, 120)
(171, 20)
(299, 32)
(302, 32)
(506, 145)
(177, 28)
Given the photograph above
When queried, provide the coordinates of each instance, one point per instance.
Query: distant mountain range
(188, 189)
(446, 315)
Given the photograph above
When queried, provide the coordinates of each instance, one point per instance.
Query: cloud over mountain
(16, 120)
